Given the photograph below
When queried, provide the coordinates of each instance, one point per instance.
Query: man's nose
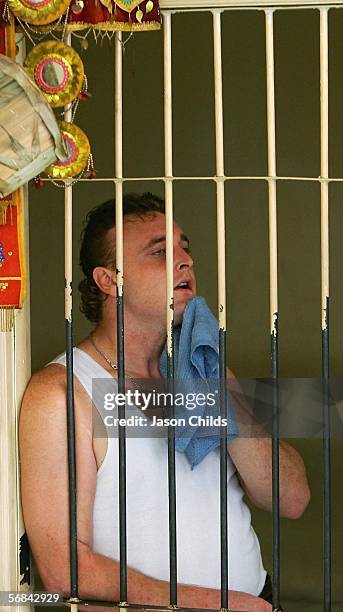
(182, 259)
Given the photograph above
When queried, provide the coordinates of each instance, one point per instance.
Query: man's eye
(159, 252)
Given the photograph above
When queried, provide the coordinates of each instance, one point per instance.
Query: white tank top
(198, 510)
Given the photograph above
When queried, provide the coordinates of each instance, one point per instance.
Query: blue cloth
(196, 358)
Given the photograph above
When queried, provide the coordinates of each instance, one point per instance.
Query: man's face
(145, 269)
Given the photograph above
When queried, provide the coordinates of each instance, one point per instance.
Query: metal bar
(168, 163)
(220, 195)
(120, 311)
(135, 607)
(273, 275)
(181, 6)
(68, 301)
(311, 179)
(324, 192)
(68, 201)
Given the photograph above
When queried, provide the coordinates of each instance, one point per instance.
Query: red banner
(12, 261)
(11, 280)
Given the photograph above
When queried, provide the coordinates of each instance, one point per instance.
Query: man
(43, 447)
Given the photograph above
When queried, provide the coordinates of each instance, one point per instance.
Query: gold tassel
(3, 210)
(7, 315)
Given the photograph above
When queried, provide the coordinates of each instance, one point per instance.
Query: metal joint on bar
(269, 10)
(217, 11)
(74, 603)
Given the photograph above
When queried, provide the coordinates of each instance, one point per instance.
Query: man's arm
(252, 457)
(44, 486)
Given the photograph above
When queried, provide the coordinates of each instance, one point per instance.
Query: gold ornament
(57, 70)
(149, 6)
(38, 13)
(77, 6)
(139, 15)
(78, 151)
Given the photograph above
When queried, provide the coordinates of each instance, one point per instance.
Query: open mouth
(183, 286)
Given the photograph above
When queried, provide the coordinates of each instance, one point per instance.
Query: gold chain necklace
(106, 357)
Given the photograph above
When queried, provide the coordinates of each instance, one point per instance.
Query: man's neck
(143, 347)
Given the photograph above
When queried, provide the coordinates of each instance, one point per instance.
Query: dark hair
(97, 250)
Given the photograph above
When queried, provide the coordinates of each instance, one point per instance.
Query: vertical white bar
(168, 164)
(221, 259)
(8, 456)
(22, 365)
(15, 351)
(324, 164)
(324, 203)
(22, 362)
(68, 242)
(220, 184)
(168, 171)
(68, 227)
(120, 308)
(273, 283)
(271, 172)
(14, 375)
(119, 160)
(22, 356)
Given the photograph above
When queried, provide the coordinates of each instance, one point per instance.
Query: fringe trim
(7, 317)
(115, 26)
(3, 211)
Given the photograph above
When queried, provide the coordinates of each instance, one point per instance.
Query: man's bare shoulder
(49, 383)
(53, 375)
(47, 390)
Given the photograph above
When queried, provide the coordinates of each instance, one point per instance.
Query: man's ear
(105, 280)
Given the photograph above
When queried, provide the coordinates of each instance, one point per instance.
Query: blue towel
(196, 358)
